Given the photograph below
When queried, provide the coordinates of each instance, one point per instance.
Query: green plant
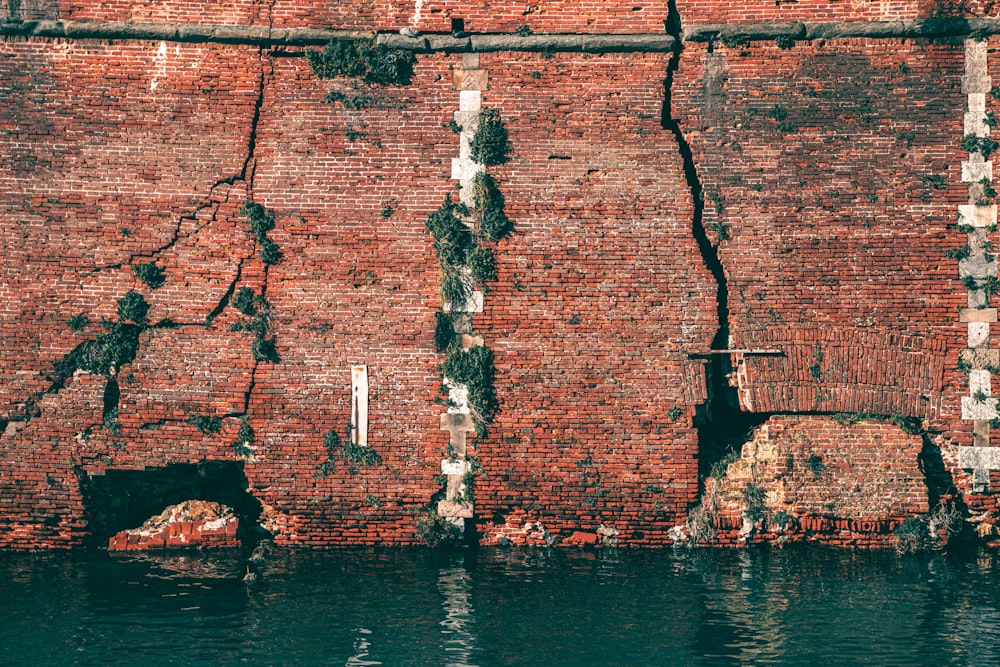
(781, 519)
(989, 119)
(452, 239)
(264, 349)
(959, 253)
(784, 41)
(437, 532)
(522, 30)
(454, 126)
(913, 535)
(205, 424)
(132, 307)
(906, 424)
(444, 332)
(983, 145)
(990, 286)
(244, 439)
(995, 92)
(963, 366)
(970, 283)
(936, 181)
(908, 137)
(980, 396)
(358, 454)
(356, 102)
(965, 229)
(489, 202)
(373, 501)
(721, 231)
(111, 423)
(816, 371)
(353, 135)
(387, 212)
(474, 368)
(482, 265)
(673, 413)
(490, 145)
(150, 274)
(261, 221)
(245, 301)
(979, 35)
(815, 465)
(110, 351)
(720, 467)
(754, 497)
(78, 322)
(377, 63)
(455, 290)
(777, 113)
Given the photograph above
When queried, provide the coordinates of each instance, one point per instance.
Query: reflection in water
(457, 627)
(362, 607)
(361, 646)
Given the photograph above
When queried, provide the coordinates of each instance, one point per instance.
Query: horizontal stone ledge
(926, 28)
(557, 42)
(264, 36)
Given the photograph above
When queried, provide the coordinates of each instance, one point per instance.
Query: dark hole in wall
(123, 499)
(112, 394)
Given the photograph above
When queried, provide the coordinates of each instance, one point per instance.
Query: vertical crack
(709, 253)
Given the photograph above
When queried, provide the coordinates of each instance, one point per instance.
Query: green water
(496, 607)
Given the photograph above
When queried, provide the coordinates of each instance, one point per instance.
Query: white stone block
(979, 458)
(458, 394)
(973, 409)
(464, 169)
(473, 305)
(975, 124)
(456, 467)
(470, 100)
(979, 381)
(979, 334)
(977, 216)
(976, 169)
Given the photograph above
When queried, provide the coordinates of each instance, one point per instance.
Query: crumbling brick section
(839, 482)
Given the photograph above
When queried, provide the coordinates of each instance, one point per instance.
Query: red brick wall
(816, 161)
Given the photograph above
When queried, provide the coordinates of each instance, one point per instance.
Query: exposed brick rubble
(826, 176)
(191, 524)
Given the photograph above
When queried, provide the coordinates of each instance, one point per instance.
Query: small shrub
(377, 63)
(474, 368)
(990, 286)
(110, 351)
(455, 290)
(437, 532)
(816, 371)
(454, 126)
(912, 536)
(936, 181)
(482, 265)
(264, 350)
(990, 119)
(78, 322)
(778, 113)
(673, 413)
(361, 455)
(150, 274)
(133, 308)
(111, 423)
(970, 283)
(244, 439)
(781, 519)
(959, 253)
(699, 523)
(245, 301)
(269, 251)
(490, 145)
(452, 238)
(754, 496)
(205, 424)
(815, 465)
(444, 332)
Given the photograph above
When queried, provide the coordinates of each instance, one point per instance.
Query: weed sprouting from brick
(205, 424)
(149, 274)
(258, 321)
(483, 266)
(490, 145)
(474, 368)
(261, 221)
(444, 332)
(245, 438)
(376, 63)
(78, 322)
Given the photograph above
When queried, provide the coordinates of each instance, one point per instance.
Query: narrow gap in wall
(112, 394)
(722, 426)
